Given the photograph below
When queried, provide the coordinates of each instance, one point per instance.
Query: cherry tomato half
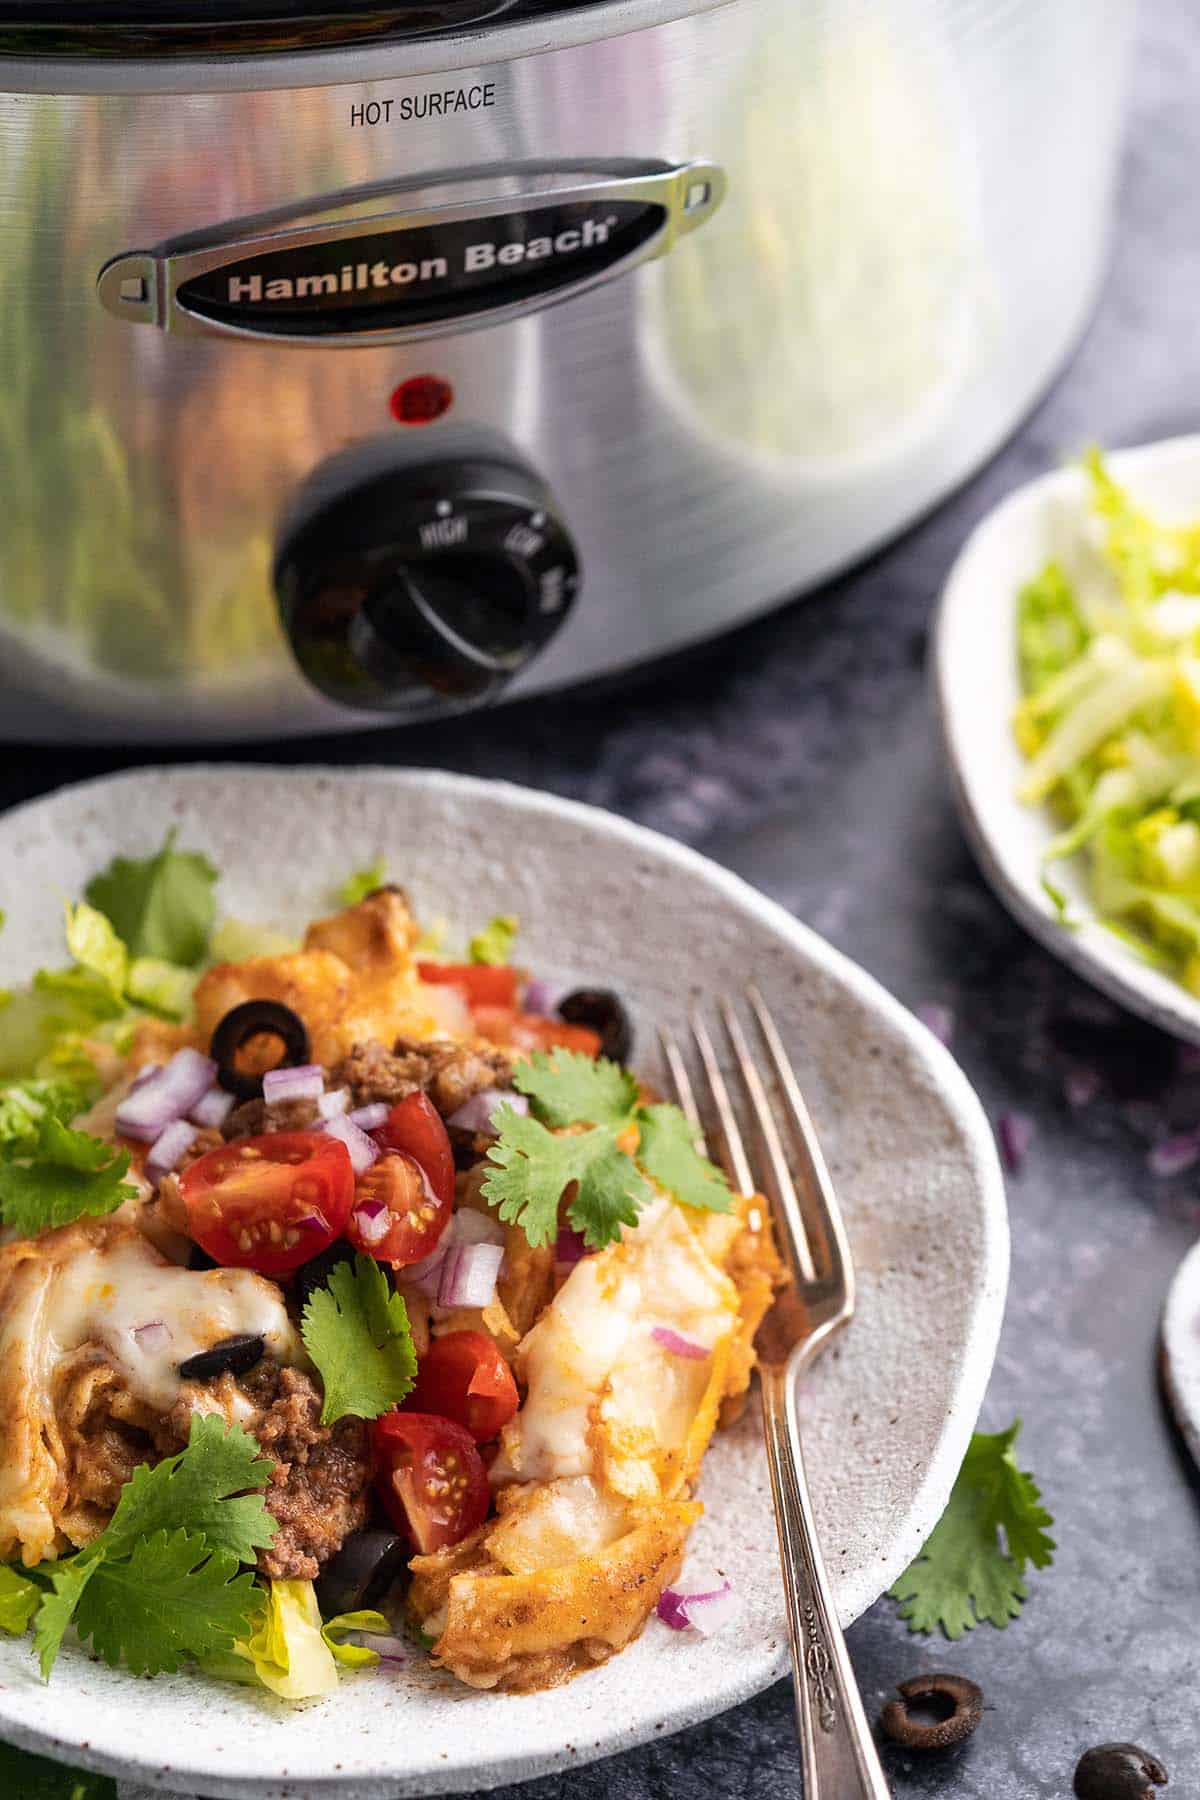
(269, 1203)
(464, 1377)
(416, 1215)
(430, 1477)
(415, 1126)
(530, 1031)
(484, 984)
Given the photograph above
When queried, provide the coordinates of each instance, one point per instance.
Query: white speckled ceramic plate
(1181, 1348)
(888, 1414)
(977, 681)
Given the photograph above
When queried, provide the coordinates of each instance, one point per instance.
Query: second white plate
(978, 686)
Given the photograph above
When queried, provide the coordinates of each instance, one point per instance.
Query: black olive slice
(1118, 1772)
(252, 1019)
(316, 1272)
(605, 1013)
(233, 1355)
(959, 1701)
(361, 1573)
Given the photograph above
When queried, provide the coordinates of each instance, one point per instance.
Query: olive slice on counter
(604, 1012)
(956, 1702)
(361, 1573)
(256, 1018)
(232, 1356)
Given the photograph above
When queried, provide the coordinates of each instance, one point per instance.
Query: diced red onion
(476, 1113)
(306, 1081)
(372, 1220)
(469, 1275)
(1173, 1155)
(212, 1109)
(569, 1247)
(170, 1148)
(938, 1019)
(1014, 1132)
(1081, 1087)
(370, 1118)
(313, 1221)
(542, 997)
(678, 1345)
(151, 1337)
(167, 1094)
(333, 1104)
(387, 1649)
(705, 1610)
(425, 1277)
(363, 1150)
(470, 1227)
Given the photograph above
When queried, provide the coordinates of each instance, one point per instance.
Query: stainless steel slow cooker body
(708, 300)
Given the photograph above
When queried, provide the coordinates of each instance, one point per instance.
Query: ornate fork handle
(838, 1752)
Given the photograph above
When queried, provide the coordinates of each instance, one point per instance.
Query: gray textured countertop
(803, 754)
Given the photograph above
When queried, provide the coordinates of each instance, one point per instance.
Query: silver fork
(839, 1758)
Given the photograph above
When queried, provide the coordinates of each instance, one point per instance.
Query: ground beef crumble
(449, 1073)
(253, 1117)
(319, 1488)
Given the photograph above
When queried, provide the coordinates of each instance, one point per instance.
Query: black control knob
(420, 577)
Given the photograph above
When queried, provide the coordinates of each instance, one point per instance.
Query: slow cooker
(362, 360)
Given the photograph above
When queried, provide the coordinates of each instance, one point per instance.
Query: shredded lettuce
(286, 1648)
(494, 944)
(236, 941)
(336, 1633)
(1108, 642)
(362, 882)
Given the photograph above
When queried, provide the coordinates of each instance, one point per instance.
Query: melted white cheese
(107, 1296)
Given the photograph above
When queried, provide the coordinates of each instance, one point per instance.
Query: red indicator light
(421, 399)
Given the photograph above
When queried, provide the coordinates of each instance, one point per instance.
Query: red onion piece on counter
(468, 1276)
(170, 1148)
(1174, 1154)
(1014, 1133)
(1081, 1087)
(704, 1609)
(542, 997)
(333, 1104)
(305, 1082)
(370, 1118)
(569, 1247)
(212, 1109)
(151, 1337)
(476, 1113)
(938, 1019)
(678, 1345)
(363, 1150)
(170, 1092)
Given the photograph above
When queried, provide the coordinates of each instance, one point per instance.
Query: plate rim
(1095, 954)
(965, 1398)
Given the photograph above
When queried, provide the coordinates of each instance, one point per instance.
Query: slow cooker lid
(102, 29)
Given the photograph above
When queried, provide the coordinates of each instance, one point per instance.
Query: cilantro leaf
(171, 1597)
(529, 1169)
(19, 1600)
(362, 882)
(202, 1490)
(68, 1579)
(667, 1151)
(967, 1573)
(566, 1087)
(66, 1175)
(356, 1331)
(495, 942)
(162, 905)
(36, 1778)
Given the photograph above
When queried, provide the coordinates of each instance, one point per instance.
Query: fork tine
(673, 1056)
(784, 1189)
(733, 1150)
(818, 1183)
